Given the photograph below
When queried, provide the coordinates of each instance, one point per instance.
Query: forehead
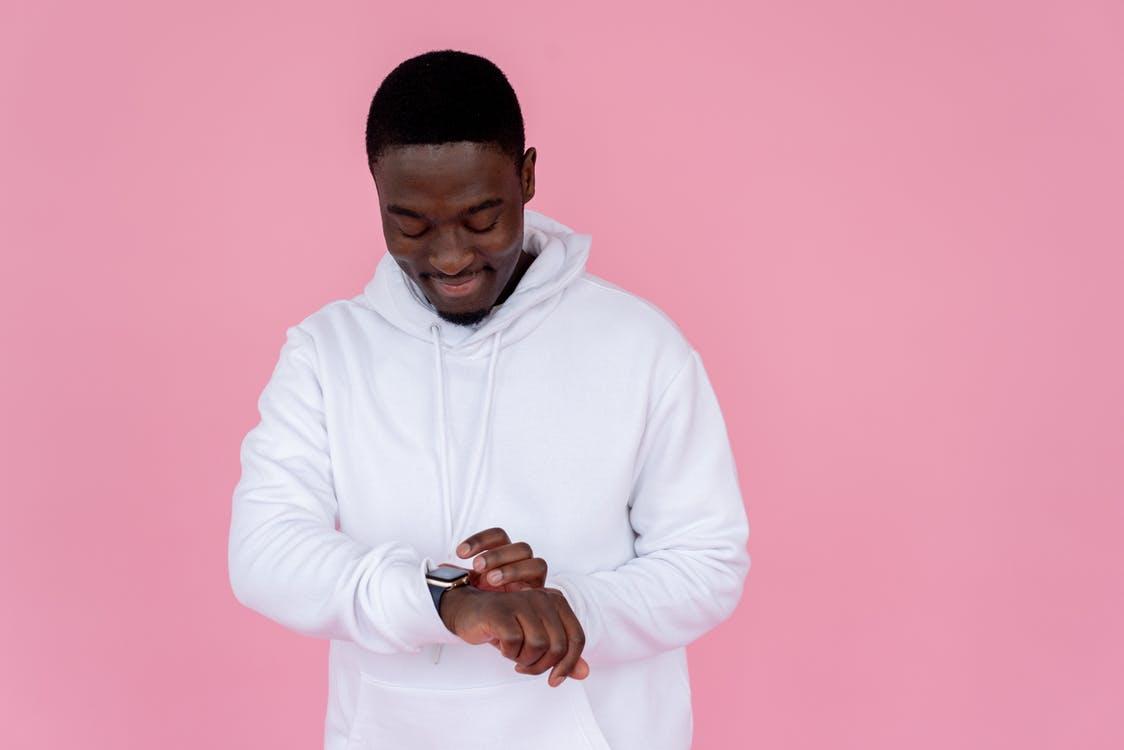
(447, 172)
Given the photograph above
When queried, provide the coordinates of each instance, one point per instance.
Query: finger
(575, 641)
(532, 571)
(556, 632)
(535, 638)
(476, 580)
(502, 555)
(481, 540)
(509, 637)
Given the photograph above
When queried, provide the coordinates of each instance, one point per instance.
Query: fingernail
(495, 576)
(463, 549)
(478, 563)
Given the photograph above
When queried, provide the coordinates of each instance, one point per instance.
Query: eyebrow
(393, 208)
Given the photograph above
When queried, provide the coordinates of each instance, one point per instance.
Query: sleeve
(287, 560)
(691, 532)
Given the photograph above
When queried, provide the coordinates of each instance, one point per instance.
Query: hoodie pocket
(518, 713)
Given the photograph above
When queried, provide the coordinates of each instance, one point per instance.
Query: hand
(517, 569)
(534, 628)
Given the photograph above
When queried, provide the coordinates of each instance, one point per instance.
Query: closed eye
(485, 229)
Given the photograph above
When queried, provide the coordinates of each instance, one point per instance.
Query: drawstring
(443, 451)
(482, 443)
(443, 454)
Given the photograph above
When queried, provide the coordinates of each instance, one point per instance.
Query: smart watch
(445, 577)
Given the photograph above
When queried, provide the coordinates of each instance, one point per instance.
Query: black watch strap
(436, 592)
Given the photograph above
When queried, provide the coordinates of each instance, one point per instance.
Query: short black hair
(444, 96)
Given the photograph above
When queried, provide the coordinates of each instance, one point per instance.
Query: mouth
(461, 286)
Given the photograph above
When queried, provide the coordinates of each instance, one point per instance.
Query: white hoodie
(578, 418)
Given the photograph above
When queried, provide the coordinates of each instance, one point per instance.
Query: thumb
(580, 670)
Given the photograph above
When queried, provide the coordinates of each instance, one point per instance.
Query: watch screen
(446, 574)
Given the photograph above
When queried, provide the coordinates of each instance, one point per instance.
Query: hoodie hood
(560, 257)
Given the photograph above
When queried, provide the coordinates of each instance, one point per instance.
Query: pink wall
(894, 233)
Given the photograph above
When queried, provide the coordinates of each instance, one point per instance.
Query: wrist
(451, 602)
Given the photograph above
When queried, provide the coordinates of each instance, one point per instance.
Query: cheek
(506, 243)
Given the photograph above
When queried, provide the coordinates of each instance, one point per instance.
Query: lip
(463, 287)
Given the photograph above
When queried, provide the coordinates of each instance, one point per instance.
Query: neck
(521, 266)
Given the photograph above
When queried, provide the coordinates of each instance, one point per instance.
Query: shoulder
(326, 318)
(628, 314)
(329, 329)
(632, 331)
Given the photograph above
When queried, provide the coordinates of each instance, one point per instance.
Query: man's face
(452, 216)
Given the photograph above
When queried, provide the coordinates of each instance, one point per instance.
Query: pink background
(893, 230)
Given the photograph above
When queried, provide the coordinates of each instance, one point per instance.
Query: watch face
(447, 573)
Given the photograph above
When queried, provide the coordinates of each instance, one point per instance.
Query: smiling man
(485, 398)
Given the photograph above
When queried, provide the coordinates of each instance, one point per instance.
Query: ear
(527, 174)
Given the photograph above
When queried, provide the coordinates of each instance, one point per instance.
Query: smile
(462, 287)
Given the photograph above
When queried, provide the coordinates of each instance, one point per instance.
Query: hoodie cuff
(407, 602)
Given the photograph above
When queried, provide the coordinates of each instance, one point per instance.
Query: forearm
(287, 560)
(656, 602)
(690, 527)
(319, 582)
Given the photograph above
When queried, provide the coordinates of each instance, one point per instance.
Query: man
(486, 398)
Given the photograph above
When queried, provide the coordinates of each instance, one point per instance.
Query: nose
(448, 256)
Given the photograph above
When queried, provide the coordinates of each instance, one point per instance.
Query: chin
(464, 318)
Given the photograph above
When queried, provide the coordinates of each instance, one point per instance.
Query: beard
(465, 318)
